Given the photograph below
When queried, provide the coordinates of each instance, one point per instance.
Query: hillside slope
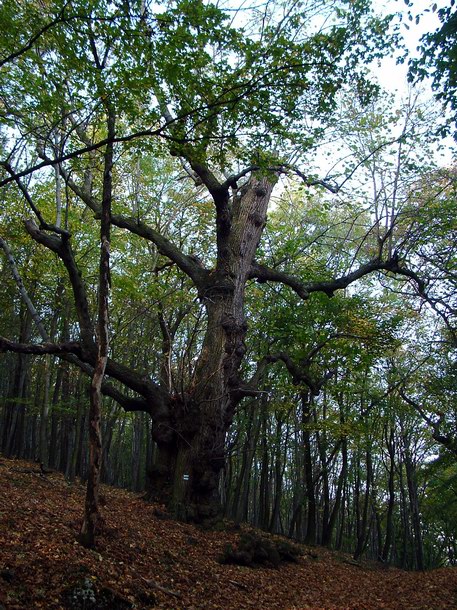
(144, 561)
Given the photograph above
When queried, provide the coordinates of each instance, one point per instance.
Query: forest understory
(145, 560)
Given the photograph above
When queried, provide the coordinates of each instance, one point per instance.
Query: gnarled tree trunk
(191, 440)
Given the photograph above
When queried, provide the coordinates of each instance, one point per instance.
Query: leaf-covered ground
(144, 561)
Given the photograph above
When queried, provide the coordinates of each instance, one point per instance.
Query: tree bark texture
(92, 511)
(191, 436)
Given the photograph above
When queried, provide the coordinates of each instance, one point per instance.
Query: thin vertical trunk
(54, 417)
(413, 497)
(278, 472)
(264, 491)
(58, 146)
(391, 502)
(298, 497)
(321, 439)
(241, 495)
(44, 413)
(107, 434)
(91, 512)
(362, 525)
(405, 527)
(311, 527)
(137, 451)
(78, 433)
(328, 530)
(13, 434)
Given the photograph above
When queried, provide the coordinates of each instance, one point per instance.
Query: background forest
(214, 217)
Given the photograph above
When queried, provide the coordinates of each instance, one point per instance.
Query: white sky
(392, 76)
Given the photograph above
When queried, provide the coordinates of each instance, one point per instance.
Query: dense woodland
(228, 264)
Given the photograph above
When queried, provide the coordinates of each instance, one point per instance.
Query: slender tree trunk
(13, 434)
(54, 416)
(44, 414)
(311, 531)
(413, 498)
(264, 490)
(362, 526)
(328, 530)
(92, 512)
(241, 495)
(391, 502)
(278, 478)
(78, 434)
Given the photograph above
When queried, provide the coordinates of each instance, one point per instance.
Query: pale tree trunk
(92, 511)
(363, 524)
(44, 413)
(43, 448)
(311, 527)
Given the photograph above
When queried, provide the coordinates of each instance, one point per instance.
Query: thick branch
(447, 441)
(120, 372)
(186, 263)
(221, 197)
(216, 189)
(61, 246)
(152, 400)
(329, 287)
(264, 274)
(282, 168)
(43, 224)
(128, 403)
(70, 347)
(299, 374)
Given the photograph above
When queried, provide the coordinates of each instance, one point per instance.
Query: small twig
(43, 478)
(239, 584)
(156, 585)
(353, 562)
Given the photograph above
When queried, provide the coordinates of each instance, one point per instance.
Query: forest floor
(145, 561)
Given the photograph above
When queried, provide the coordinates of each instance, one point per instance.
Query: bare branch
(264, 274)
(43, 224)
(61, 246)
(445, 440)
(187, 264)
(12, 56)
(70, 347)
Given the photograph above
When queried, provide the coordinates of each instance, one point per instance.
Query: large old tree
(237, 99)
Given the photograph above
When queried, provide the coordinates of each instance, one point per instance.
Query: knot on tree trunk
(218, 286)
(231, 325)
(257, 219)
(260, 191)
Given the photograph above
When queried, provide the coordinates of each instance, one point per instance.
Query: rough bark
(191, 443)
(92, 511)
